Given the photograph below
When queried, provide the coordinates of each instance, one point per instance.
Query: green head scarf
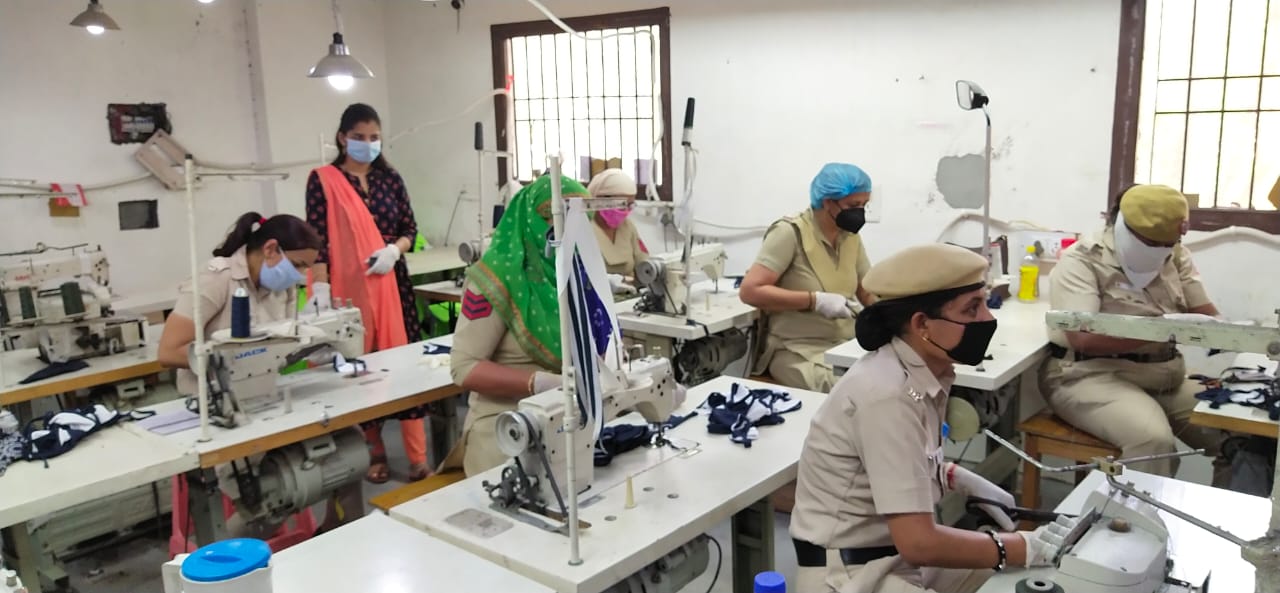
(517, 276)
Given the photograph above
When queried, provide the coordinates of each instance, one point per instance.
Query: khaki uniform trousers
(1140, 407)
(886, 575)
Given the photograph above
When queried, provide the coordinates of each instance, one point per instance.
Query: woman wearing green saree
(507, 343)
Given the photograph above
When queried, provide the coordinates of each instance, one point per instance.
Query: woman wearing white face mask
(1131, 393)
(619, 242)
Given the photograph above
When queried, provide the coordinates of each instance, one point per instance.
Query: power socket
(1048, 243)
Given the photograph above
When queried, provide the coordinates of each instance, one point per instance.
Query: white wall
(233, 74)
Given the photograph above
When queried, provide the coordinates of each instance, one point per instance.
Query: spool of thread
(72, 298)
(240, 313)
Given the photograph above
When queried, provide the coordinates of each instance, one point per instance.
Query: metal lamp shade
(339, 62)
(94, 16)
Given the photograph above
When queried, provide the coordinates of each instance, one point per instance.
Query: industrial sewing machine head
(664, 278)
(60, 303)
(531, 436)
(243, 372)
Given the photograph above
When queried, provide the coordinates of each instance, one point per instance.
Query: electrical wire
(719, 563)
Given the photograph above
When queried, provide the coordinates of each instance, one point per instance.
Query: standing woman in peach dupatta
(361, 209)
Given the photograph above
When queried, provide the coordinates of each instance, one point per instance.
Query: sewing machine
(1110, 558)
(243, 371)
(531, 436)
(61, 305)
(664, 279)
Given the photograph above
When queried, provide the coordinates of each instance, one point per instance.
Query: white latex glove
(384, 259)
(971, 484)
(321, 298)
(619, 285)
(831, 305)
(1044, 543)
(543, 381)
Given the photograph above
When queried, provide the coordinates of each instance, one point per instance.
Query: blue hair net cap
(835, 181)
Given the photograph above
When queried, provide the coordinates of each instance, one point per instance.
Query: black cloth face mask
(972, 348)
(851, 219)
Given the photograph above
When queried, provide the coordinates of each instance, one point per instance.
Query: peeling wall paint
(959, 180)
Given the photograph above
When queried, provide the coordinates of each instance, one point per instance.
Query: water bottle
(770, 582)
(1029, 277)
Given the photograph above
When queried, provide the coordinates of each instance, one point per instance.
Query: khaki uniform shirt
(874, 448)
(624, 251)
(482, 335)
(218, 282)
(808, 333)
(1089, 279)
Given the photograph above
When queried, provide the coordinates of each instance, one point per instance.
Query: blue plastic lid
(226, 560)
(770, 582)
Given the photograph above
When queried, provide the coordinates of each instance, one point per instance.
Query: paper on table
(171, 423)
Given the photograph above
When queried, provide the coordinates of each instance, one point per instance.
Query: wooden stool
(413, 490)
(1046, 434)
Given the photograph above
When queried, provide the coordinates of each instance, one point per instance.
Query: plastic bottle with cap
(1029, 276)
(770, 582)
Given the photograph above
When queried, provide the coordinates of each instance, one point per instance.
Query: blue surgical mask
(364, 152)
(279, 277)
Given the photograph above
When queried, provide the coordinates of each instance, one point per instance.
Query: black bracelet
(1004, 556)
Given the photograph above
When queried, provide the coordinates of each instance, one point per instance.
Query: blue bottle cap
(226, 560)
(770, 582)
(946, 430)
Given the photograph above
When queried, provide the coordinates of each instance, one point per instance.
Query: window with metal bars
(1209, 108)
(599, 102)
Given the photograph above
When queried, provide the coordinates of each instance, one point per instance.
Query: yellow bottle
(1029, 277)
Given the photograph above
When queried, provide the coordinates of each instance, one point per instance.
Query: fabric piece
(56, 433)
(739, 412)
(618, 439)
(517, 274)
(55, 369)
(388, 202)
(1251, 387)
(352, 236)
(433, 348)
(13, 448)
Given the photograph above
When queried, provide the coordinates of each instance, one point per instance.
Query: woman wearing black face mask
(806, 279)
(872, 468)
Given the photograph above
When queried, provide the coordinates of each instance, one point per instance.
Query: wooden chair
(1046, 434)
(412, 490)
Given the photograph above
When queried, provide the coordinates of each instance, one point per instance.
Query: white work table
(433, 260)
(678, 497)
(1194, 551)
(398, 380)
(112, 460)
(711, 311)
(1235, 417)
(378, 554)
(1020, 342)
(442, 291)
(17, 365)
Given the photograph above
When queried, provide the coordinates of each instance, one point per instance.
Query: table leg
(752, 534)
(204, 504)
(445, 428)
(24, 552)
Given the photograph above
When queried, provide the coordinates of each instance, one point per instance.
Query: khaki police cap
(923, 269)
(1157, 212)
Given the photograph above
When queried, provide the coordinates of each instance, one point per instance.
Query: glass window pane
(628, 107)
(646, 45)
(1175, 37)
(582, 142)
(630, 147)
(610, 64)
(1201, 170)
(564, 66)
(598, 143)
(596, 108)
(1236, 165)
(1209, 47)
(611, 108)
(1166, 150)
(595, 68)
(578, 51)
(1206, 95)
(627, 63)
(1267, 168)
(522, 109)
(1271, 61)
(644, 108)
(1244, 56)
(519, 84)
(1242, 93)
(533, 66)
(580, 108)
(550, 84)
(550, 111)
(1171, 95)
(535, 109)
(1271, 92)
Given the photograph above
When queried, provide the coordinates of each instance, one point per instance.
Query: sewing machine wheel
(649, 273)
(515, 433)
(1037, 585)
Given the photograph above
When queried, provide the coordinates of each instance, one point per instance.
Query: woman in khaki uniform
(872, 468)
(1131, 393)
(809, 269)
(507, 343)
(266, 258)
(619, 241)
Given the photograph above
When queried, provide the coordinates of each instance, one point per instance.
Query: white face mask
(1141, 262)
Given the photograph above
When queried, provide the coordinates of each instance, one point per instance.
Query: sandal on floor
(379, 472)
(419, 472)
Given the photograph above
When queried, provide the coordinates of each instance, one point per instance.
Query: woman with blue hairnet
(806, 279)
